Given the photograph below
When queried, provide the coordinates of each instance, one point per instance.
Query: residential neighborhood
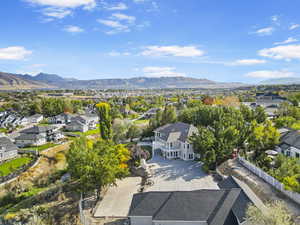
(148, 112)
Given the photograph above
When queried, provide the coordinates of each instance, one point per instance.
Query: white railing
(270, 180)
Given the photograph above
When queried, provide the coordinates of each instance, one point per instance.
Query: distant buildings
(173, 141)
(82, 123)
(8, 149)
(36, 118)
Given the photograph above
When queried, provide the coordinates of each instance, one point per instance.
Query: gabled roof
(7, 144)
(246, 197)
(37, 129)
(76, 123)
(176, 131)
(291, 138)
(29, 137)
(212, 206)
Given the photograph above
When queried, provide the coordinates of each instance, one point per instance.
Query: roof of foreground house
(176, 131)
(246, 197)
(211, 206)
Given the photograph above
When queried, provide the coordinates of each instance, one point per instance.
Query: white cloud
(59, 9)
(87, 4)
(115, 53)
(266, 74)
(172, 50)
(14, 53)
(116, 25)
(265, 31)
(121, 16)
(294, 26)
(248, 62)
(275, 20)
(287, 41)
(161, 72)
(286, 52)
(119, 6)
(73, 29)
(138, 1)
(57, 13)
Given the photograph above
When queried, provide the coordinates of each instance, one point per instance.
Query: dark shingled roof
(37, 129)
(245, 197)
(176, 131)
(213, 206)
(291, 138)
(7, 144)
(29, 137)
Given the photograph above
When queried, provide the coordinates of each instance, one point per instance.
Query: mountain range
(9, 81)
(288, 80)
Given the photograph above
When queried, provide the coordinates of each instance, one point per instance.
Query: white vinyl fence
(270, 180)
(83, 219)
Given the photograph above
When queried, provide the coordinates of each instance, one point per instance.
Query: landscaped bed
(13, 165)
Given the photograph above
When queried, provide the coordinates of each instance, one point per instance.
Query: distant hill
(9, 81)
(130, 83)
(43, 80)
(289, 80)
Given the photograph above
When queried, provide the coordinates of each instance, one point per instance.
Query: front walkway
(178, 175)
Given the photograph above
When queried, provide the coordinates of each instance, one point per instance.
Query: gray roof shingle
(212, 206)
(291, 138)
(176, 131)
(7, 144)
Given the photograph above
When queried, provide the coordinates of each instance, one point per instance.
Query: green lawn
(139, 122)
(3, 130)
(87, 133)
(41, 147)
(11, 166)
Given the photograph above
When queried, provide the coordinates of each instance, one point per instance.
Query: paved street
(117, 200)
(178, 175)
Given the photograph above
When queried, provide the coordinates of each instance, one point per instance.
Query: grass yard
(41, 147)
(11, 166)
(141, 122)
(3, 130)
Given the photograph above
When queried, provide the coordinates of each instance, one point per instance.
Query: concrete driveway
(178, 175)
(117, 200)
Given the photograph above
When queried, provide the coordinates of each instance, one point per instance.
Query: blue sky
(222, 40)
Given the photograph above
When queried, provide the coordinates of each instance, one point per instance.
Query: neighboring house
(290, 144)
(173, 141)
(151, 112)
(90, 120)
(76, 125)
(226, 206)
(35, 118)
(38, 135)
(8, 149)
(62, 118)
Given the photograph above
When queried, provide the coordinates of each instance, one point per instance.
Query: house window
(188, 146)
(171, 145)
(297, 155)
(288, 153)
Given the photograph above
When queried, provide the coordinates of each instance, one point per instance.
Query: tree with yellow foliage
(96, 165)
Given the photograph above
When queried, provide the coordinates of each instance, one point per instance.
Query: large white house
(290, 144)
(173, 141)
